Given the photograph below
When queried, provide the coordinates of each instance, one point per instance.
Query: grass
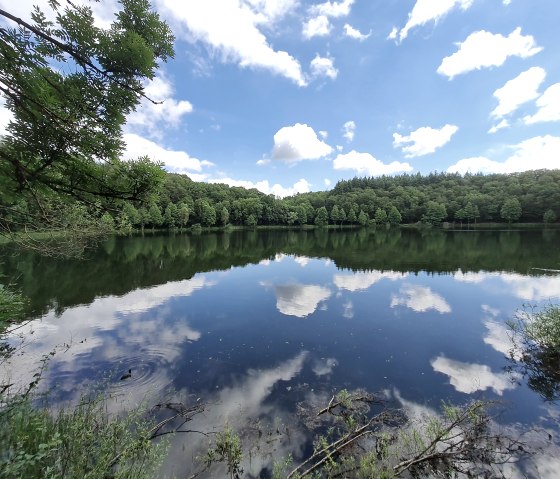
(76, 442)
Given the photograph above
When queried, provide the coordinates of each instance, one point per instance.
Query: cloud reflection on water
(299, 300)
(470, 377)
(420, 299)
(362, 281)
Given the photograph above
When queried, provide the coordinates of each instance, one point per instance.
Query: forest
(528, 197)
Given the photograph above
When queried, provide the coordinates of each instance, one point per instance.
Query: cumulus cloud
(232, 28)
(549, 106)
(349, 129)
(540, 152)
(521, 89)
(424, 140)
(393, 35)
(352, 32)
(297, 143)
(425, 11)
(148, 117)
(366, 164)
(420, 299)
(483, 49)
(323, 67)
(499, 126)
(469, 378)
(173, 160)
(327, 182)
(301, 186)
(333, 9)
(317, 27)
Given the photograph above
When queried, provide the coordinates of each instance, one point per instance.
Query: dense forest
(179, 202)
(532, 196)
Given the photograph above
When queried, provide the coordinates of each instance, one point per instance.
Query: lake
(257, 323)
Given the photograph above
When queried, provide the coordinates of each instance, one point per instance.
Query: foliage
(549, 216)
(511, 210)
(75, 442)
(70, 85)
(535, 351)
(391, 444)
(226, 449)
(12, 305)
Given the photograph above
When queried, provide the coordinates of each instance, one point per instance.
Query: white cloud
(394, 34)
(540, 152)
(174, 161)
(549, 106)
(351, 32)
(301, 186)
(469, 378)
(327, 182)
(349, 129)
(333, 9)
(519, 90)
(231, 28)
(483, 49)
(298, 142)
(420, 299)
(362, 281)
(317, 27)
(300, 300)
(424, 140)
(323, 67)
(366, 164)
(149, 117)
(503, 124)
(425, 11)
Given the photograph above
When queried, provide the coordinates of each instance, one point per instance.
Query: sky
(290, 96)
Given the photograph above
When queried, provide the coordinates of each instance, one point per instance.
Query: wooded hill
(532, 196)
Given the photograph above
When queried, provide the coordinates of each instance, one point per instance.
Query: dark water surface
(256, 322)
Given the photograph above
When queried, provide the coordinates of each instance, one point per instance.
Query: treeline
(532, 196)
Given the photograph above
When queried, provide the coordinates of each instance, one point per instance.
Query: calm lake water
(257, 323)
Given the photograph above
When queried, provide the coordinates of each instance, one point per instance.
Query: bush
(77, 442)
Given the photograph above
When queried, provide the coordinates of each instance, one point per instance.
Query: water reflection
(469, 377)
(363, 281)
(526, 288)
(205, 316)
(420, 299)
(298, 300)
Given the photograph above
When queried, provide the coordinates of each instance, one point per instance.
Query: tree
(352, 216)
(224, 216)
(511, 210)
(322, 217)
(170, 215)
(394, 215)
(154, 215)
(208, 214)
(435, 213)
(380, 216)
(549, 217)
(363, 218)
(70, 85)
(471, 212)
(183, 214)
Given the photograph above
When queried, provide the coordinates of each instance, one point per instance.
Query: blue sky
(293, 95)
